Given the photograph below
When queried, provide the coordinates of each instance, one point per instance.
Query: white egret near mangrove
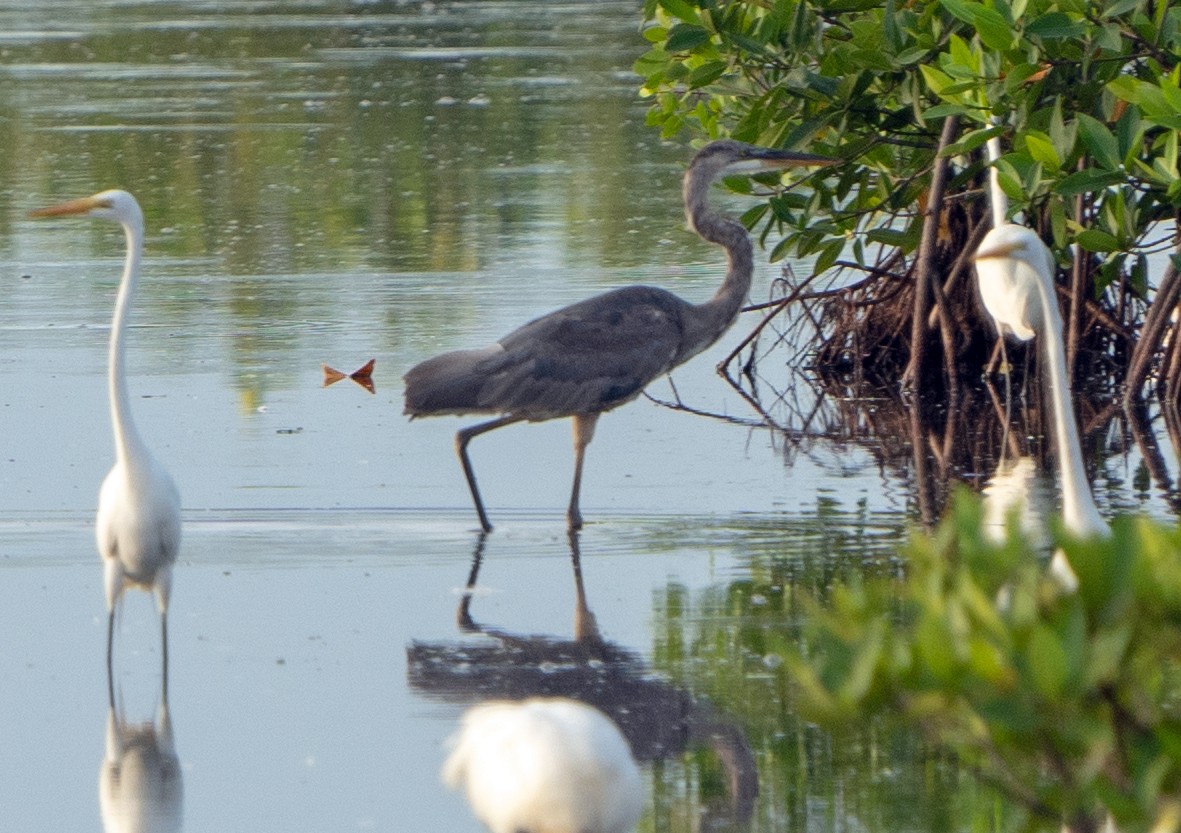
(138, 522)
(595, 355)
(1007, 293)
(1016, 270)
(545, 765)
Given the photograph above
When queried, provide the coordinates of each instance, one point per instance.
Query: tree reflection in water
(943, 440)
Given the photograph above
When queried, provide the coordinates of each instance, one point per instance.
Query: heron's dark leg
(586, 629)
(584, 432)
(462, 438)
(463, 616)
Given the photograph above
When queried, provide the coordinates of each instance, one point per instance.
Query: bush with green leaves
(1085, 96)
(1068, 704)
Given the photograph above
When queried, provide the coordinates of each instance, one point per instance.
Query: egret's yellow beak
(72, 208)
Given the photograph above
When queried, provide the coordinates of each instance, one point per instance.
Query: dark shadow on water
(658, 720)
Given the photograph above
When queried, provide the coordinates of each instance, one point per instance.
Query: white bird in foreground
(545, 765)
(138, 521)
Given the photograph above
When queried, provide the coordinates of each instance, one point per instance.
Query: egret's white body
(138, 522)
(1009, 286)
(545, 765)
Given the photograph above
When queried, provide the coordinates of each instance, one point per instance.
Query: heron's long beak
(72, 208)
(778, 159)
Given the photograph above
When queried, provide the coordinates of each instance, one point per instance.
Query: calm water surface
(333, 182)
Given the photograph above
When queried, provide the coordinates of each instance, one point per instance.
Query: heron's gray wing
(588, 357)
(449, 383)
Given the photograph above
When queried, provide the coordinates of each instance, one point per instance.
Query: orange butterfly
(363, 376)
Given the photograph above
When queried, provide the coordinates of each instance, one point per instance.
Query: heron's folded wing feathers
(588, 357)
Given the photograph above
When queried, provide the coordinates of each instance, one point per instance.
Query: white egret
(595, 355)
(1008, 293)
(138, 521)
(1016, 270)
(545, 765)
(1006, 304)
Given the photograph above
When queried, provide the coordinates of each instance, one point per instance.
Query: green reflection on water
(459, 149)
(722, 642)
(422, 140)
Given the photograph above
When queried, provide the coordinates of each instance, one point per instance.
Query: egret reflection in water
(658, 720)
(1017, 487)
(140, 786)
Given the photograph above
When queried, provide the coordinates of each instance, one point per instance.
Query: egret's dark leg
(994, 358)
(164, 655)
(1008, 371)
(110, 636)
(110, 668)
(1025, 377)
(462, 438)
(584, 432)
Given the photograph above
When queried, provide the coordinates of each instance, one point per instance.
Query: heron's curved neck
(1079, 513)
(129, 448)
(716, 315)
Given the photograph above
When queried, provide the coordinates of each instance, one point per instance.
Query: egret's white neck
(1079, 513)
(129, 448)
(996, 197)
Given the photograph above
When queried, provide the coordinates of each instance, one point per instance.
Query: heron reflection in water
(657, 719)
(595, 355)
